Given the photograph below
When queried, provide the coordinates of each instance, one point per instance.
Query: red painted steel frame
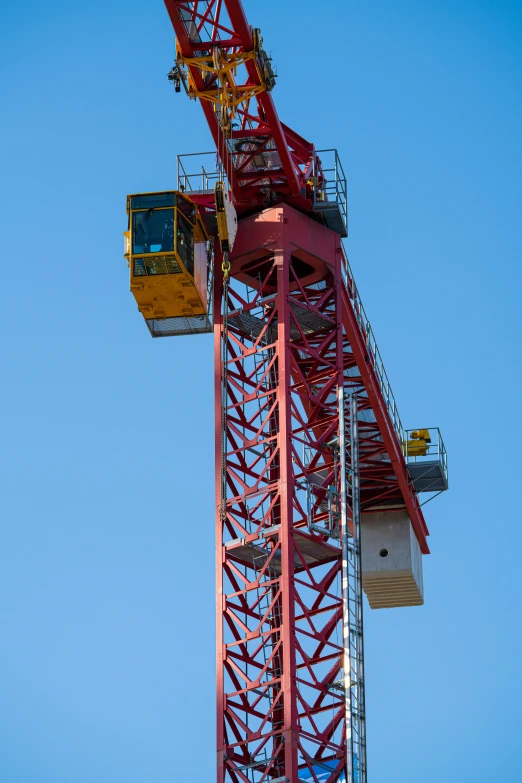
(381, 487)
(279, 608)
(202, 25)
(293, 336)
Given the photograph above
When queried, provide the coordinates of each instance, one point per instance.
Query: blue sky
(107, 554)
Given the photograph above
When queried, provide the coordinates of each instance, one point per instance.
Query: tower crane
(317, 482)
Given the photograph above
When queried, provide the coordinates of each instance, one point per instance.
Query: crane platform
(309, 551)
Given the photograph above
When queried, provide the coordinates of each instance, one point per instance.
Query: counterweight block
(391, 560)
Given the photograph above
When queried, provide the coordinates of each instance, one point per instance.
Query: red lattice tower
(279, 645)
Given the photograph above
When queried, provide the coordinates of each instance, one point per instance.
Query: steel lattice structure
(280, 649)
(282, 175)
(307, 432)
(202, 27)
(293, 339)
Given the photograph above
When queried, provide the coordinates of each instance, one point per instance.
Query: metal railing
(199, 174)
(330, 182)
(372, 348)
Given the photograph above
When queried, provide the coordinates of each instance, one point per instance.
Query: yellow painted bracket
(224, 68)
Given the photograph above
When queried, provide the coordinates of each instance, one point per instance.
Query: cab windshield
(153, 231)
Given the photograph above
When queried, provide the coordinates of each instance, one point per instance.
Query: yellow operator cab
(166, 251)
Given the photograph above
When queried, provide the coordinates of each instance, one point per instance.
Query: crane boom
(224, 65)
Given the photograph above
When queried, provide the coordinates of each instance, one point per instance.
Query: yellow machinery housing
(418, 446)
(166, 251)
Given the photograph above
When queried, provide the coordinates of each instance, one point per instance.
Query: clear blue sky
(107, 547)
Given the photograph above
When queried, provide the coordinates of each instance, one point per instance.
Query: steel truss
(259, 154)
(306, 432)
(282, 665)
(266, 160)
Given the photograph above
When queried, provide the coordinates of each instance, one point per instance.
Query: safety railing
(330, 183)
(199, 174)
(435, 452)
(372, 348)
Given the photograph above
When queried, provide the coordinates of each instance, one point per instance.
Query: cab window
(147, 200)
(185, 243)
(188, 208)
(153, 231)
(156, 265)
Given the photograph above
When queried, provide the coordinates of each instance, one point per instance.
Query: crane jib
(229, 72)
